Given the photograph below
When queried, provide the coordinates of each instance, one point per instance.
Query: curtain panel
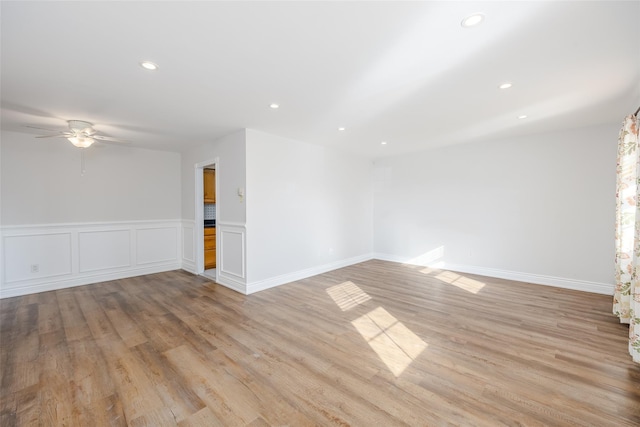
(626, 300)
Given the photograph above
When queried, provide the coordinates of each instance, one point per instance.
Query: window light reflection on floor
(461, 282)
(347, 295)
(392, 341)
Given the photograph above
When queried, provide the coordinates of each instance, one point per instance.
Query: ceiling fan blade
(52, 136)
(48, 130)
(108, 138)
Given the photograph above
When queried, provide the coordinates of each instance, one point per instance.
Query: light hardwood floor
(375, 344)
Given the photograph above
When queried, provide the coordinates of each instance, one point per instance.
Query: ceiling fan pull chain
(82, 162)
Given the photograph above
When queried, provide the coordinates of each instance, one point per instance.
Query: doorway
(209, 199)
(207, 211)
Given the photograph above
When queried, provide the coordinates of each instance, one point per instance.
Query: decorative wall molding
(188, 246)
(303, 274)
(538, 279)
(157, 245)
(34, 228)
(104, 249)
(51, 256)
(188, 240)
(231, 268)
(38, 258)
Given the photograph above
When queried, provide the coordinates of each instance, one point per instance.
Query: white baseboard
(85, 280)
(230, 283)
(188, 266)
(303, 274)
(538, 279)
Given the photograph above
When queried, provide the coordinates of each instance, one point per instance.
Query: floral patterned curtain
(626, 299)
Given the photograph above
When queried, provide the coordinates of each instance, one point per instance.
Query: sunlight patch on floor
(461, 282)
(347, 295)
(394, 343)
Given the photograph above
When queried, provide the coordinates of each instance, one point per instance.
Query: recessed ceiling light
(384, 143)
(472, 20)
(148, 65)
(274, 106)
(505, 85)
(524, 116)
(341, 128)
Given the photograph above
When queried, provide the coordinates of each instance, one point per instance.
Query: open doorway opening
(209, 222)
(207, 211)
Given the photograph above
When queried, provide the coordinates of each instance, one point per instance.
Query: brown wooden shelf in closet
(209, 177)
(209, 248)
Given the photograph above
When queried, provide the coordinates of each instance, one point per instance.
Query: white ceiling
(403, 72)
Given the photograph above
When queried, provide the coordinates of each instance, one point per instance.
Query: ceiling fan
(80, 133)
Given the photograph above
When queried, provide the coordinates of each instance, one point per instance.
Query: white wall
(539, 208)
(230, 152)
(309, 209)
(42, 184)
(60, 229)
(231, 174)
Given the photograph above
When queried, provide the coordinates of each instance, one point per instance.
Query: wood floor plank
(28, 411)
(8, 409)
(107, 411)
(57, 374)
(91, 381)
(74, 323)
(22, 368)
(203, 418)
(160, 417)
(376, 343)
(127, 329)
(206, 382)
(49, 317)
(139, 397)
(172, 388)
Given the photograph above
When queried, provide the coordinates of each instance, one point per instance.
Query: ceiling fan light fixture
(148, 65)
(81, 142)
(472, 20)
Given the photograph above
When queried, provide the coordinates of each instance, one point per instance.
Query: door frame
(199, 213)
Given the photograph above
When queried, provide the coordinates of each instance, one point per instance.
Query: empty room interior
(343, 213)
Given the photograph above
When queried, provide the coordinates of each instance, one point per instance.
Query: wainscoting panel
(188, 246)
(157, 245)
(232, 257)
(104, 250)
(38, 258)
